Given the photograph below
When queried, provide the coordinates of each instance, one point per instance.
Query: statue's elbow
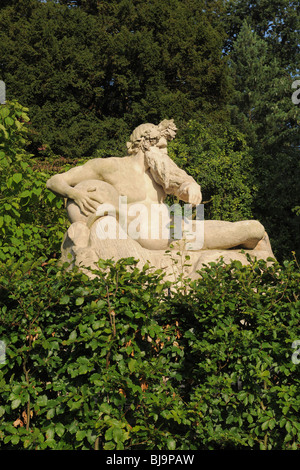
(49, 183)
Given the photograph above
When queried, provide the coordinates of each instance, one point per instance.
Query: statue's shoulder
(104, 161)
(106, 165)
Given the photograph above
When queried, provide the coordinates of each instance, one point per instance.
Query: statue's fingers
(90, 206)
(91, 189)
(82, 209)
(94, 204)
(94, 198)
(195, 200)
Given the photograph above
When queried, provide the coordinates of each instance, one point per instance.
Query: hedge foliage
(127, 361)
(32, 222)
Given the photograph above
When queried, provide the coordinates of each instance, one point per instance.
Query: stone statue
(116, 208)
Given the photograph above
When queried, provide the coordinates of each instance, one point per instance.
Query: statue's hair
(143, 130)
(139, 135)
(165, 124)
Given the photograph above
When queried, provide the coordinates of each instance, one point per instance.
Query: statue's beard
(164, 171)
(159, 164)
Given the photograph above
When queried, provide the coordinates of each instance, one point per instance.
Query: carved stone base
(82, 247)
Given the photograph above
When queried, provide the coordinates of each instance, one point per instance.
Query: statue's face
(170, 133)
(154, 136)
(162, 143)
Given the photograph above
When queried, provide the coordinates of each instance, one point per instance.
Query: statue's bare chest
(132, 181)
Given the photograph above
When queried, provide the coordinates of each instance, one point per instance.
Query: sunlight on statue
(117, 208)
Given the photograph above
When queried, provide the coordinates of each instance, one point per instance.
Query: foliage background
(89, 72)
(118, 363)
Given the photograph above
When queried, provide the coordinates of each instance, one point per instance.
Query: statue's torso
(146, 212)
(130, 179)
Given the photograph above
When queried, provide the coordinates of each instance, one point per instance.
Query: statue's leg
(265, 245)
(74, 213)
(219, 234)
(79, 233)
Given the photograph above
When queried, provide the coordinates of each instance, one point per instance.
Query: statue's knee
(258, 230)
(74, 213)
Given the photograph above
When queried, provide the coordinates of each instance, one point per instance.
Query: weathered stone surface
(116, 209)
(84, 248)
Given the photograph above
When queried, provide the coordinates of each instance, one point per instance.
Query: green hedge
(32, 219)
(124, 362)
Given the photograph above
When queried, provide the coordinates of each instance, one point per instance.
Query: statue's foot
(265, 245)
(79, 233)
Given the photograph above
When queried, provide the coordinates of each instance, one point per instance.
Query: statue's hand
(86, 200)
(191, 193)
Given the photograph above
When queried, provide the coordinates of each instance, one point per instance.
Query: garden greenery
(122, 361)
(127, 360)
(31, 219)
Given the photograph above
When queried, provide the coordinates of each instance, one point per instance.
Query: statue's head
(167, 129)
(143, 136)
(146, 135)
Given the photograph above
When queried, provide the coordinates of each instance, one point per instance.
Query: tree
(219, 159)
(277, 22)
(262, 108)
(90, 76)
(51, 61)
(31, 222)
(262, 88)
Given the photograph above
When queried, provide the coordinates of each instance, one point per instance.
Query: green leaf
(17, 177)
(110, 445)
(15, 403)
(15, 439)
(25, 194)
(64, 300)
(73, 335)
(106, 408)
(26, 443)
(146, 296)
(51, 413)
(288, 426)
(117, 434)
(80, 435)
(50, 433)
(171, 443)
(51, 443)
(59, 429)
(132, 365)
(9, 121)
(42, 400)
(4, 112)
(79, 301)
(109, 434)
(265, 425)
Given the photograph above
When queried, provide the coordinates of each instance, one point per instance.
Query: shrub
(239, 324)
(31, 222)
(219, 159)
(116, 362)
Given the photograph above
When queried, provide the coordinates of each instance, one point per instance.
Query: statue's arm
(176, 181)
(190, 192)
(63, 184)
